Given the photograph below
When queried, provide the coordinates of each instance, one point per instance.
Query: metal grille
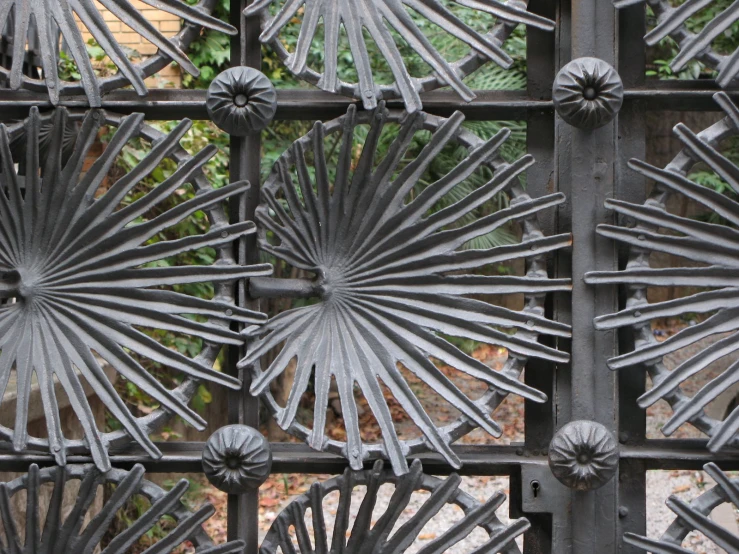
(389, 281)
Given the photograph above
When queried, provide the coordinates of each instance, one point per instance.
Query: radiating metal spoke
(74, 256)
(389, 284)
(65, 532)
(713, 247)
(377, 18)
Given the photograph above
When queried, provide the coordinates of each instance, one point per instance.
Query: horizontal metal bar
(272, 287)
(680, 454)
(184, 457)
(166, 104)
(476, 460)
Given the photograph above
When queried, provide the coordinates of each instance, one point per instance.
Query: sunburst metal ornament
(671, 21)
(390, 279)
(376, 18)
(713, 247)
(48, 19)
(386, 535)
(696, 516)
(67, 533)
(79, 266)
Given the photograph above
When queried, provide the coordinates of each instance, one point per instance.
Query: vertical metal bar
(586, 172)
(539, 418)
(243, 510)
(630, 186)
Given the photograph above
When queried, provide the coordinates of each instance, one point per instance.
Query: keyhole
(535, 486)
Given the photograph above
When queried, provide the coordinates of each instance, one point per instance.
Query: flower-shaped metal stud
(81, 267)
(673, 18)
(583, 455)
(241, 100)
(237, 459)
(382, 533)
(46, 17)
(696, 516)
(63, 531)
(392, 281)
(587, 93)
(373, 21)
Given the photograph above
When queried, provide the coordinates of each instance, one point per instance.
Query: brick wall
(168, 25)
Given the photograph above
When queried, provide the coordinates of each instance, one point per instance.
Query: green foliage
(68, 70)
(662, 54)
(137, 506)
(210, 52)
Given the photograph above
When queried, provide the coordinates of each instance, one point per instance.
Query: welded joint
(10, 284)
(272, 287)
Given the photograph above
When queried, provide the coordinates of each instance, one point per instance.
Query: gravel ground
(481, 488)
(685, 485)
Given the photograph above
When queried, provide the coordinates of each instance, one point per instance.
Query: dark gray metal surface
(48, 20)
(377, 17)
(583, 455)
(241, 100)
(388, 278)
(65, 532)
(361, 535)
(387, 271)
(708, 244)
(588, 93)
(71, 262)
(237, 459)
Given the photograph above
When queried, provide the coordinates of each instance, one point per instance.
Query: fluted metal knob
(241, 100)
(237, 459)
(588, 93)
(583, 455)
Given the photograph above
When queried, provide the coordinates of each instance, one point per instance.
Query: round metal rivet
(583, 455)
(236, 459)
(588, 93)
(241, 100)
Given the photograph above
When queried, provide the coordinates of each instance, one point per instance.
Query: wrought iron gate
(389, 279)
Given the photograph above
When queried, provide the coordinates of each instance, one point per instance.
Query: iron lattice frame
(567, 159)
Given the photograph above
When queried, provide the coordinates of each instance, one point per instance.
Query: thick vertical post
(539, 418)
(243, 510)
(586, 161)
(632, 514)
